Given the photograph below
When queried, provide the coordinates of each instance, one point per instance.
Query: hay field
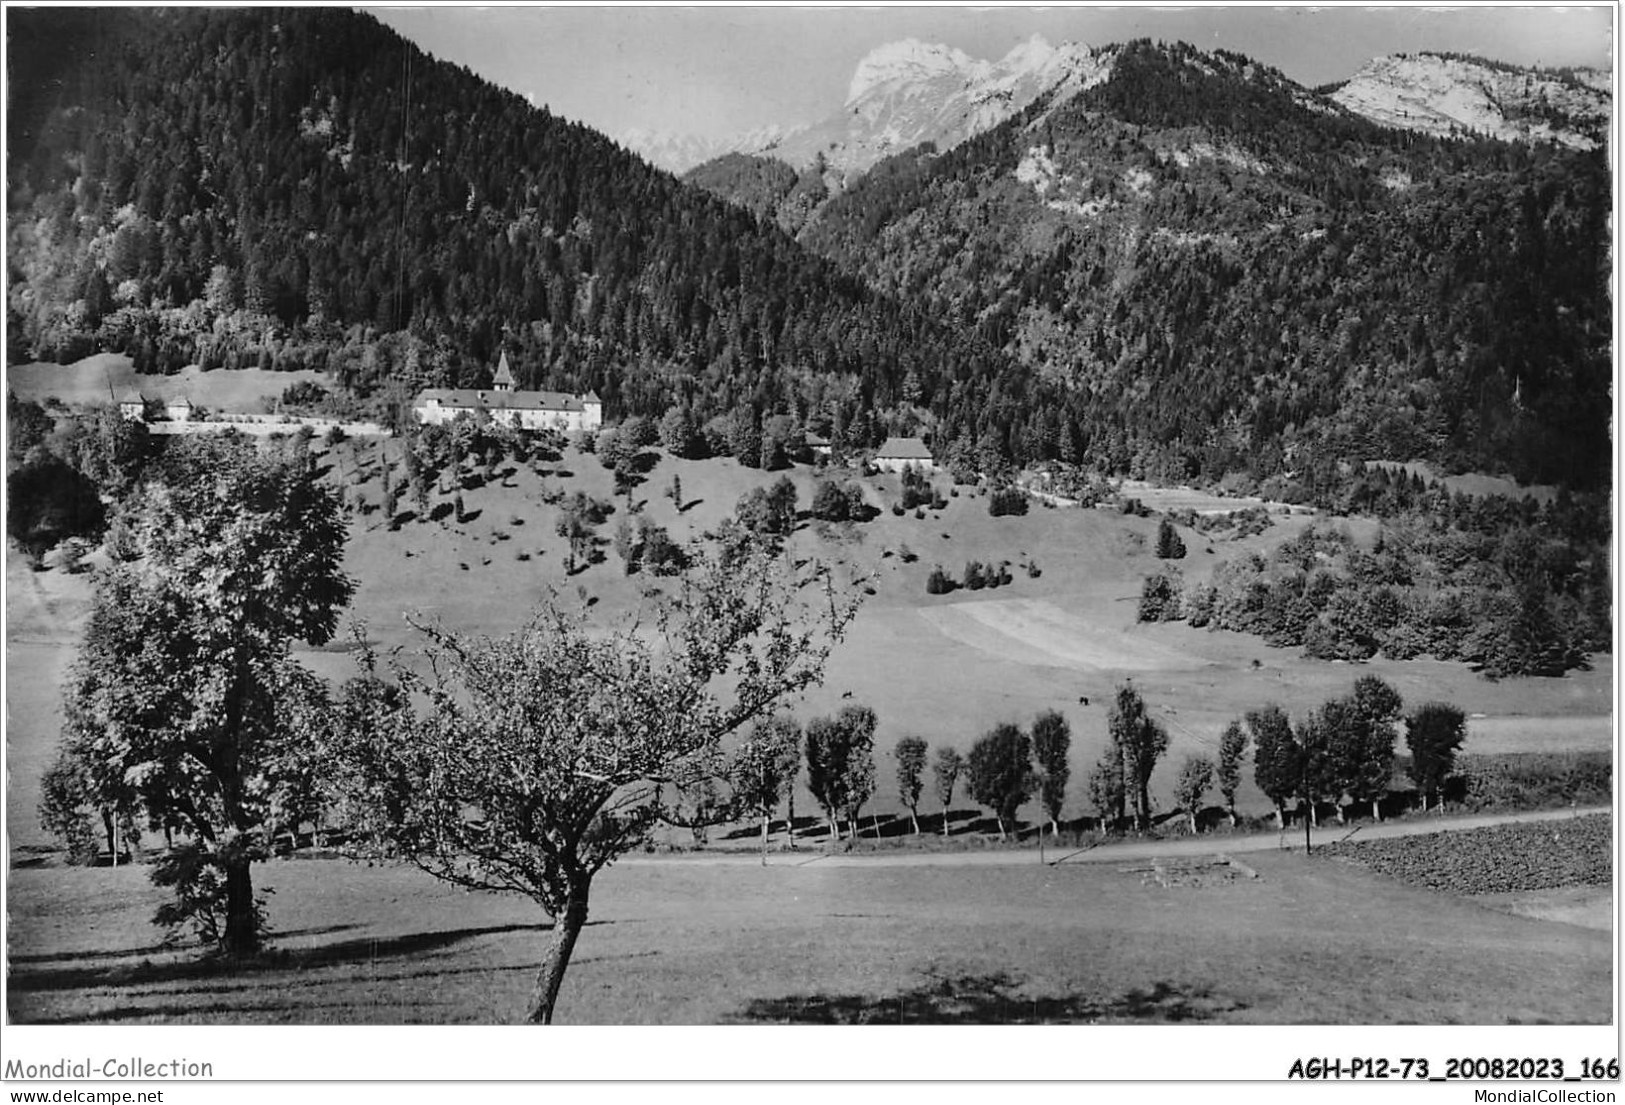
(1470, 483)
(96, 379)
(1159, 498)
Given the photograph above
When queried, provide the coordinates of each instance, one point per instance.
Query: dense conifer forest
(1222, 273)
(1228, 272)
(304, 189)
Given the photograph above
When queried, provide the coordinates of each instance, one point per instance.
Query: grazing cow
(846, 694)
(1084, 701)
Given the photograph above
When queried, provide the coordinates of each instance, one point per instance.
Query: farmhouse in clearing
(526, 410)
(900, 452)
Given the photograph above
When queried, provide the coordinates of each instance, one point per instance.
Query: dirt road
(1129, 849)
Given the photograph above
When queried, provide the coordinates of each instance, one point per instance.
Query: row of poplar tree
(1005, 768)
(1346, 748)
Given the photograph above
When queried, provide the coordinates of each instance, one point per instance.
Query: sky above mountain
(715, 71)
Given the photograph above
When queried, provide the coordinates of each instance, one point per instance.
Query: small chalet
(132, 407)
(525, 410)
(817, 444)
(900, 452)
(178, 409)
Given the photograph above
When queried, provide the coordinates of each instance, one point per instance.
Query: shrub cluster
(978, 575)
(1533, 780)
(1161, 596)
(918, 492)
(975, 577)
(1523, 601)
(1007, 500)
(837, 501)
(1246, 522)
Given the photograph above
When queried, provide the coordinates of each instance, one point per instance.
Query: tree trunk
(914, 816)
(1230, 809)
(945, 819)
(764, 838)
(1314, 816)
(1194, 829)
(1341, 819)
(1376, 809)
(790, 817)
(1000, 819)
(544, 995)
(1280, 817)
(834, 827)
(242, 935)
(112, 842)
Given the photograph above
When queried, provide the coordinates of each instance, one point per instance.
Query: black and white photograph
(805, 516)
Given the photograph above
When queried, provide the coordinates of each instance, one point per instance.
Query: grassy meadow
(97, 378)
(673, 940)
(946, 668)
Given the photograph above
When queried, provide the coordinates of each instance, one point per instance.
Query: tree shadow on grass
(989, 999)
(869, 827)
(933, 822)
(146, 973)
(154, 949)
(252, 996)
(198, 1012)
(881, 825)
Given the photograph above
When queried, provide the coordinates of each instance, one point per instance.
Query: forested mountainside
(303, 188)
(765, 186)
(1193, 268)
(1226, 271)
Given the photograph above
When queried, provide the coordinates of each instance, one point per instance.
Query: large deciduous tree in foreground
(539, 757)
(184, 698)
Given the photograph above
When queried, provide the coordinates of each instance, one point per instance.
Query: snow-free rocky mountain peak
(905, 93)
(678, 153)
(908, 92)
(1441, 94)
(906, 62)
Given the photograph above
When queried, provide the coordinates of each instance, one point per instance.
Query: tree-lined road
(1212, 844)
